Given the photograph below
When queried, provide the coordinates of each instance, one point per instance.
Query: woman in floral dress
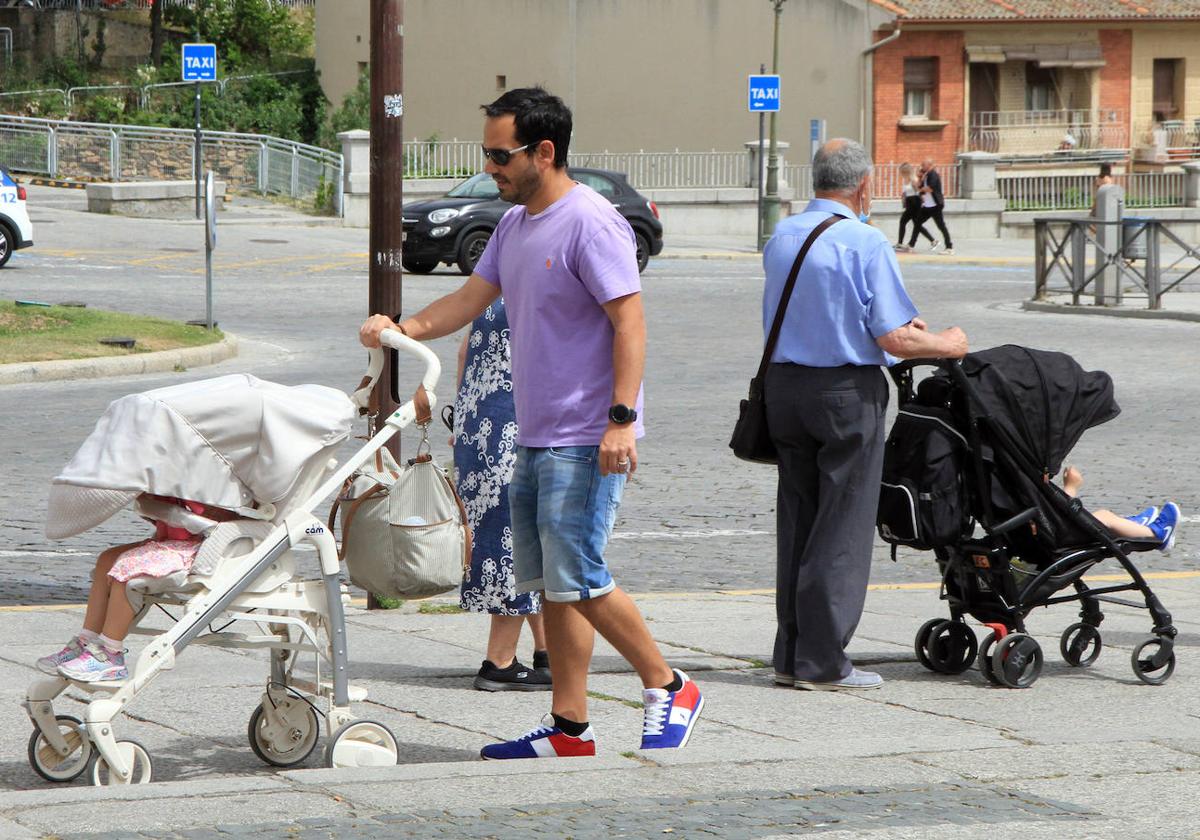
(485, 439)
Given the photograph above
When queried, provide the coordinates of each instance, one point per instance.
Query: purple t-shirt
(555, 270)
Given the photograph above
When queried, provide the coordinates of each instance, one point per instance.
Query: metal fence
(112, 5)
(103, 152)
(1075, 192)
(1034, 132)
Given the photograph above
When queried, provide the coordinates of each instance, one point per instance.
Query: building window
(920, 79)
(1041, 88)
(501, 82)
(1168, 84)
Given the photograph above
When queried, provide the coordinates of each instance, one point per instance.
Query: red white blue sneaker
(547, 741)
(670, 715)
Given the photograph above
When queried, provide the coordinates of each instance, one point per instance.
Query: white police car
(16, 231)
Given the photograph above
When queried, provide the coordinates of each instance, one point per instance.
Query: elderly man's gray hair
(839, 166)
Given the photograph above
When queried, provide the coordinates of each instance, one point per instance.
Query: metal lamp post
(771, 199)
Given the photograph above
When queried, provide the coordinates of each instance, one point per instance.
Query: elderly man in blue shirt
(826, 395)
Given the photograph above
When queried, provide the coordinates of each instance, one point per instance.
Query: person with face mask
(826, 394)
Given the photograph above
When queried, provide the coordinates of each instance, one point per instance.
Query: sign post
(199, 65)
(210, 242)
(816, 137)
(762, 98)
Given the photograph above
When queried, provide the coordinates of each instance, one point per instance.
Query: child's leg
(97, 604)
(120, 613)
(1122, 527)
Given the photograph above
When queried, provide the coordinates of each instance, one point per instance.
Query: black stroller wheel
(1080, 645)
(985, 659)
(952, 647)
(1154, 661)
(1017, 660)
(921, 642)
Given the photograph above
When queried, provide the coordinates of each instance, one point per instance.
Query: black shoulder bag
(751, 439)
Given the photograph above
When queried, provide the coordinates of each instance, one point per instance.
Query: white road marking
(689, 535)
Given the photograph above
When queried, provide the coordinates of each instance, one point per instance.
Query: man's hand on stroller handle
(914, 341)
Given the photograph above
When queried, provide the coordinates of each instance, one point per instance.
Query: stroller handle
(397, 340)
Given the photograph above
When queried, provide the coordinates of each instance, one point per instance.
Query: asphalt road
(694, 518)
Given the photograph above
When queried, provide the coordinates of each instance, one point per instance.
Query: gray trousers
(828, 426)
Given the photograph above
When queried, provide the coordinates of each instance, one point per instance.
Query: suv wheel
(643, 250)
(6, 244)
(471, 249)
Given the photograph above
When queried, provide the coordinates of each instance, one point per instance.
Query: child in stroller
(97, 652)
(1151, 523)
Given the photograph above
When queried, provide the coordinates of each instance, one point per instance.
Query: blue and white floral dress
(485, 451)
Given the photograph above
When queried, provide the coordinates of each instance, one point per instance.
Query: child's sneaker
(96, 664)
(1145, 517)
(670, 715)
(544, 742)
(1164, 526)
(49, 664)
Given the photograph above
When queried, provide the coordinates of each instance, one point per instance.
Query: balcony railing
(1170, 140)
(1021, 133)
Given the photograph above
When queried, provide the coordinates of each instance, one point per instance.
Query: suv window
(477, 186)
(599, 183)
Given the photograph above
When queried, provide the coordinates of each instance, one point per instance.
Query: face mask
(864, 217)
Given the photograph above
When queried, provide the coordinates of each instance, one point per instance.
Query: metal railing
(1061, 263)
(106, 152)
(113, 5)
(666, 170)
(1037, 132)
(886, 182)
(1172, 140)
(1076, 192)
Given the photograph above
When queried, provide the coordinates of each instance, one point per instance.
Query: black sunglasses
(501, 157)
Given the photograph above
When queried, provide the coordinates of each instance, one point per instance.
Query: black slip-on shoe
(516, 677)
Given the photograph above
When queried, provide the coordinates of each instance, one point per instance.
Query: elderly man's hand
(955, 343)
(369, 332)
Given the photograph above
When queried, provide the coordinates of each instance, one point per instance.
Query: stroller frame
(283, 729)
(977, 576)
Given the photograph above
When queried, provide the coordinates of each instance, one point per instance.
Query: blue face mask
(864, 217)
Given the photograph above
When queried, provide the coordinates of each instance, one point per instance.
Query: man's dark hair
(539, 115)
(1105, 170)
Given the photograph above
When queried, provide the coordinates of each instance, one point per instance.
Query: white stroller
(264, 451)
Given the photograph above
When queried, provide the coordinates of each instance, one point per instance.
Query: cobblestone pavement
(752, 814)
(694, 518)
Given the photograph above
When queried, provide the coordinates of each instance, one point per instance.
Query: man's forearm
(629, 362)
(451, 312)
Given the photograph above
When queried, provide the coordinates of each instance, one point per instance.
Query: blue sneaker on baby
(1164, 525)
(1145, 517)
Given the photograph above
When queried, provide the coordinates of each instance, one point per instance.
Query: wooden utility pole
(387, 173)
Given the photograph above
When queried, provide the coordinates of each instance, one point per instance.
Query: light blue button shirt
(848, 294)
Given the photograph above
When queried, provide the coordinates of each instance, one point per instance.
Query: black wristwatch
(622, 414)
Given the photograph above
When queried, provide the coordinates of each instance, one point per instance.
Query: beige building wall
(639, 74)
(1150, 43)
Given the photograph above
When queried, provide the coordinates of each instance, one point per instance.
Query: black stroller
(967, 474)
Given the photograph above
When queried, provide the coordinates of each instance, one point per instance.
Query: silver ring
(623, 463)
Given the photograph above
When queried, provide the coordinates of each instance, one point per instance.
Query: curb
(104, 366)
(1109, 312)
(54, 182)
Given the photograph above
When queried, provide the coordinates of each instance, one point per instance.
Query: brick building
(1061, 81)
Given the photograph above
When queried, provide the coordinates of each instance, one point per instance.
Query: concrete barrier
(154, 199)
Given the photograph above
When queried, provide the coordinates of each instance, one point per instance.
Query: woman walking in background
(910, 200)
(485, 437)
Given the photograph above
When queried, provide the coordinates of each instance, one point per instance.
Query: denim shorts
(562, 512)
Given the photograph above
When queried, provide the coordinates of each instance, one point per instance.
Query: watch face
(621, 413)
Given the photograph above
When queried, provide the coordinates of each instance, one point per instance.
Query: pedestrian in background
(485, 450)
(826, 396)
(933, 203)
(910, 201)
(566, 263)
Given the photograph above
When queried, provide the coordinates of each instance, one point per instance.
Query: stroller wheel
(47, 762)
(287, 737)
(921, 642)
(1017, 660)
(135, 756)
(1080, 645)
(952, 647)
(1154, 661)
(362, 743)
(985, 659)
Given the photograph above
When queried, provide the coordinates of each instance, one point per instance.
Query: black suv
(455, 229)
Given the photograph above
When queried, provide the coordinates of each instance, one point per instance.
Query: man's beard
(521, 189)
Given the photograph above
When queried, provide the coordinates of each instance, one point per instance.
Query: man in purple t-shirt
(565, 262)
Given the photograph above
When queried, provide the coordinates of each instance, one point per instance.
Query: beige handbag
(404, 529)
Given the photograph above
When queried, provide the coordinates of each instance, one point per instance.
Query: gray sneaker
(856, 681)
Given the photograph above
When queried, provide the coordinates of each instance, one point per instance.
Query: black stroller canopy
(1043, 400)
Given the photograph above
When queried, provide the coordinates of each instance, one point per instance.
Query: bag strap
(777, 327)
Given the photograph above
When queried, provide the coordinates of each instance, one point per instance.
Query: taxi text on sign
(199, 62)
(764, 93)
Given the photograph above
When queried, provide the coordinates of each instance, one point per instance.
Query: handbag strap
(777, 327)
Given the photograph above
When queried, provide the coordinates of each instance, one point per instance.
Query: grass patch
(439, 609)
(43, 333)
(386, 603)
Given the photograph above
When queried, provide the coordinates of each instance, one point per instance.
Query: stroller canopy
(1043, 400)
(231, 442)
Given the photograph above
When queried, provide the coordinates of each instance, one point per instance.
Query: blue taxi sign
(764, 93)
(199, 62)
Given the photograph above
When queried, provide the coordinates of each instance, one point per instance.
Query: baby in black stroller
(967, 475)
